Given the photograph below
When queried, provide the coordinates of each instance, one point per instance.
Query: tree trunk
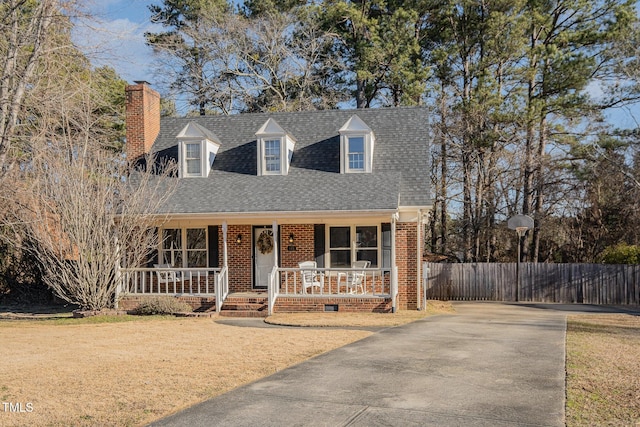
(17, 73)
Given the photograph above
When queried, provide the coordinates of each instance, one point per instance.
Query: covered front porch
(365, 262)
(288, 289)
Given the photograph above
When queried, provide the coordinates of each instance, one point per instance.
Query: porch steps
(248, 305)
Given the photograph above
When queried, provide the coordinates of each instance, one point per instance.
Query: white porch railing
(330, 282)
(222, 287)
(173, 281)
(272, 290)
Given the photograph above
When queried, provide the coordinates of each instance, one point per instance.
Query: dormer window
(272, 159)
(356, 146)
(273, 142)
(193, 158)
(356, 153)
(197, 149)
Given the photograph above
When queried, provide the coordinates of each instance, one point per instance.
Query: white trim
(183, 242)
(183, 158)
(272, 131)
(288, 217)
(209, 144)
(285, 217)
(355, 127)
(262, 161)
(353, 249)
(274, 230)
(225, 256)
(419, 226)
(394, 266)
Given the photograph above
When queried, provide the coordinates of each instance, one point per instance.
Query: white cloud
(117, 42)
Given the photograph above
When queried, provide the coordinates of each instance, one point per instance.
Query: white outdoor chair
(310, 276)
(166, 276)
(356, 277)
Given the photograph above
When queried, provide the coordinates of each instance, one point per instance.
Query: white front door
(264, 255)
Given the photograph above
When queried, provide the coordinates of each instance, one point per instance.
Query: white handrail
(272, 290)
(222, 288)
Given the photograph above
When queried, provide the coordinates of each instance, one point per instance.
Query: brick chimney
(142, 119)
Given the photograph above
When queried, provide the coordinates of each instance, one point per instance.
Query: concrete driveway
(490, 364)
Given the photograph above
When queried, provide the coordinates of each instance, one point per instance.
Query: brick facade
(406, 260)
(302, 248)
(142, 119)
(240, 261)
(240, 258)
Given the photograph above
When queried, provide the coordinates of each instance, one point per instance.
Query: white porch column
(274, 229)
(224, 245)
(419, 305)
(394, 267)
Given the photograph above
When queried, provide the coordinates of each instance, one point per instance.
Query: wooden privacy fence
(562, 283)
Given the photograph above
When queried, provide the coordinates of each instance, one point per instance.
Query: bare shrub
(162, 305)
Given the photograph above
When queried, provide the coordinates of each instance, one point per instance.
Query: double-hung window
(196, 247)
(193, 158)
(340, 247)
(353, 243)
(272, 160)
(367, 244)
(172, 247)
(197, 149)
(356, 146)
(184, 247)
(356, 153)
(275, 149)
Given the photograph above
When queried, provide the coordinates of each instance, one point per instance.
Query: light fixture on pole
(520, 223)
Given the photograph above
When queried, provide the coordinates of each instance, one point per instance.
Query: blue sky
(115, 37)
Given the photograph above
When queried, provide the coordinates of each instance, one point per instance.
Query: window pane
(368, 255)
(340, 237)
(272, 155)
(341, 258)
(173, 258)
(172, 238)
(196, 238)
(192, 159)
(356, 161)
(367, 237)
(193, 167)
(356, 144)
(356, 152)
(196, 258)
(193, 151)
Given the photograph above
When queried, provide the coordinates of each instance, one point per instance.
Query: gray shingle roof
(400, 175)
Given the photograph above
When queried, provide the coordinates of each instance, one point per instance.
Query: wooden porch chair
(311, 278)
(356, 278)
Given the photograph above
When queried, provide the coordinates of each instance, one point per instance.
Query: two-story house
(345, 191)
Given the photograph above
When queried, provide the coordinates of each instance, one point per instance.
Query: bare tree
(25, 27)
(83, 217)
(74, 202)
(284, 64)
(226, 62)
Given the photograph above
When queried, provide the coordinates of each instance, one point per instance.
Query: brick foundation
(345, 305)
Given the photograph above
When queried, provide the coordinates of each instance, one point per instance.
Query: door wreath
(265, 242)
